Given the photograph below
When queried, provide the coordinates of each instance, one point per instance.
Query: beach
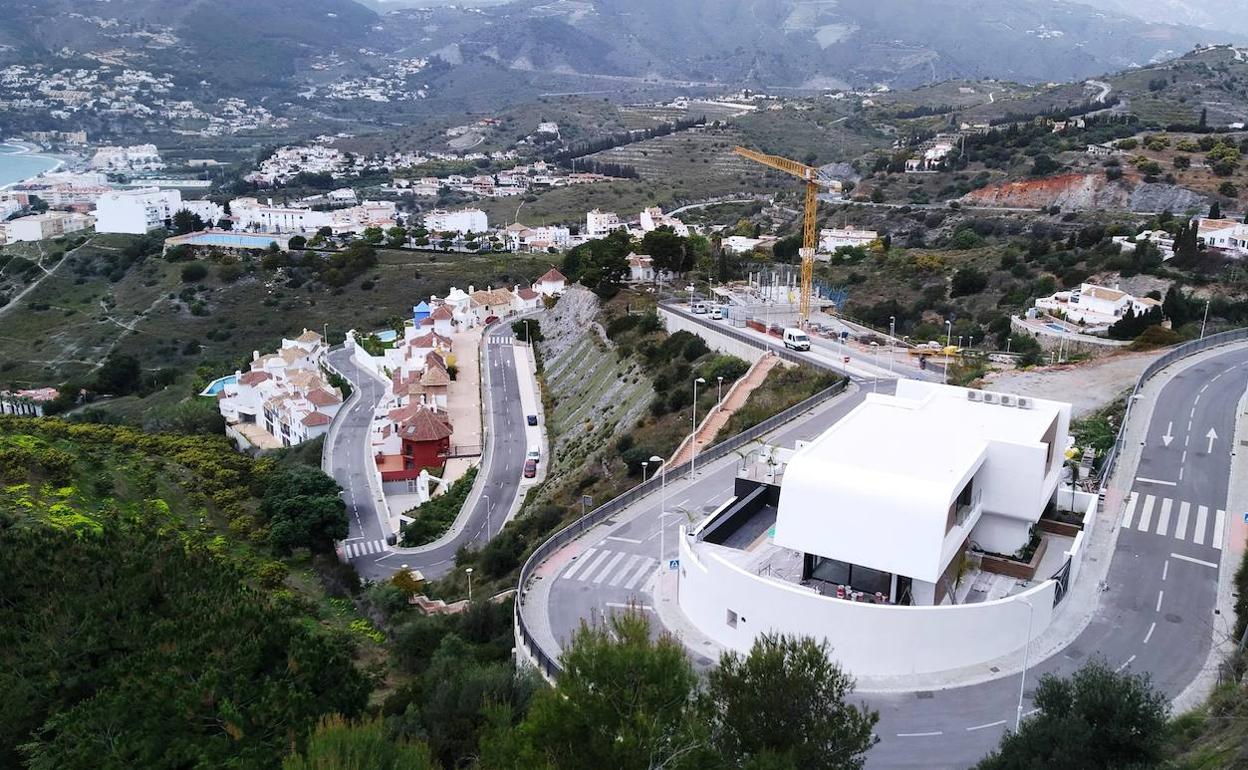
(19, 162)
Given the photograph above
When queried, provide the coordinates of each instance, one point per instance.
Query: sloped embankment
(593, 395)
(1086, 191)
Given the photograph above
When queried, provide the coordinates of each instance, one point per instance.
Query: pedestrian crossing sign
(673, 563)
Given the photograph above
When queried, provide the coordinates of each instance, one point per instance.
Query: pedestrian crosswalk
(502, 339)
(602, 566)
(1197, 524)
(364, 548)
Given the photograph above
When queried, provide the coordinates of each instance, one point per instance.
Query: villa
(1094, 306)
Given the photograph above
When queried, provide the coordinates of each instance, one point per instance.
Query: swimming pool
(230, 240)
(218, 385)
(386, 335)
(1057, 328)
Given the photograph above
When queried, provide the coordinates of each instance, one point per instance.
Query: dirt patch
(1088, 386)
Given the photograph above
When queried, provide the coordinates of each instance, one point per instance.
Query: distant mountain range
(608, 46)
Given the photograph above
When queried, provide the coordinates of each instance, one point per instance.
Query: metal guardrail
(549, 664)
(1179, 352)
(783, 353)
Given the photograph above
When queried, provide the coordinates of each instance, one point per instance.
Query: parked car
(489, 319)
(530, 469)
(531, 419)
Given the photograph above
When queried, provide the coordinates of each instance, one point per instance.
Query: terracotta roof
(430, 340)
(443, 313)
(308, 336)
(322, 397)
(552, 276)
(1100, 292)
(316, 418)
(291, 355)
(424, 425)
(435, 372)
(527, 294)
(494, 297)
(254, 377)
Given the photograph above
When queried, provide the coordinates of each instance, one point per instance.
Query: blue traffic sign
(674, 563)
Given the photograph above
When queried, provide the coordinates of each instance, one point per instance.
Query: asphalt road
(1156, 612)
(498, 484)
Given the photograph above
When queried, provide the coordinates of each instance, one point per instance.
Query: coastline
(22, 148)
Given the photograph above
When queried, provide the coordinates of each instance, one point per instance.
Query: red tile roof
(443, 313)
(527, 293)
(316, 418)
(322, 397)
(424, 425)
(552, 276)
(253, 378)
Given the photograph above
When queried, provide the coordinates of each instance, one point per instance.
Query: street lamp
(1204, 320)
(1022, 682)
(948, 344)
(719, 395)
(468, 571)
(875, 346)
(644, 463)
(693, 435)
(662, 503)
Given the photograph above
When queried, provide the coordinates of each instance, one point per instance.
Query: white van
(700, 308)
(796, 339)
(535, 453)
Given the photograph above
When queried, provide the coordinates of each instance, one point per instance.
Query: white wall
(867, 639)
(674, 322)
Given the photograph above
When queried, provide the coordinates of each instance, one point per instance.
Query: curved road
(348, 460)
(1155, 612)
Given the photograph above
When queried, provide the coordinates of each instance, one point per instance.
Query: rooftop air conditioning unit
(990, 398)
(974, 395)
(1024, 403)
(1007, 401)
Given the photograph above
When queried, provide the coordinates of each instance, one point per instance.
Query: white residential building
(138, 157)
(1094, 306)
(41, 227)
(210, 212)
(136, 212)
(551, 284)
(1225, 234)
(461, 221)
(831, 239)
(1162, 239)
(739, 244)
(284, 399)
(251, 214)
(653, 218)
(522, 238)
(598, 224)
(28, 403)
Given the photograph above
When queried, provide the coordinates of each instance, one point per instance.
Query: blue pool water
(388, 335)
(1057, 327)
(218, 385)
(228, 240)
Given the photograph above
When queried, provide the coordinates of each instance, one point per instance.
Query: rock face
(1086, 191)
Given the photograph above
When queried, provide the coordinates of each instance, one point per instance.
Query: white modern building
(1162, 239)
(599, 224)
(872, 535)
(136, 212)
(251, 214)
(138, 157)
(211, 213)
(653, 218)
(551, 284)
(1094, 306)
(461, 221)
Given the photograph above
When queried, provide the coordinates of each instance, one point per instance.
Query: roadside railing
(784, 353)
(1179, 352)
(547, 661)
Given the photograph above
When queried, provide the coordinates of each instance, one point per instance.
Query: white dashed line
(985, 727)
(1152, 627)
(920, 735)
(1160, 595)
(1126, 663)
(1193, 561)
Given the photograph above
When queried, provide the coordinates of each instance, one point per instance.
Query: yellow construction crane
(810, 237)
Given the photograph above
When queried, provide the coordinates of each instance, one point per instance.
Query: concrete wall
(867, 639)
(674, 322)
(1069, 343)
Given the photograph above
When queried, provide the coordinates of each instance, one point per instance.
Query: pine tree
(1215, 210)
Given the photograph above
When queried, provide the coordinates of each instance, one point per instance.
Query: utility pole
(1204, 320)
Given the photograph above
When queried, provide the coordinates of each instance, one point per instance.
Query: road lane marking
(1126, 517)
(1193, 561)
(1146, 515)
(920, 735)
(642, 572)
(1163, 521)
(619, 539)
(1202, 515)
(1180, 529)
(1143, 480)
(1151, 628)
(1126, 663)
(1160, 596)
(1219, 527)
(579, 563)
(997, 723)
(626, 568)
(1165, 569)
(610, 566)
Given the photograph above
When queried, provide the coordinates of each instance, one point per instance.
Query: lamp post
(1022, 682)
(948, 344)
(693, 435)
(875, 347)
(662, 504)
(468, 571)
(1204, 320)
(892, 340)
(644, 463)
(719, 395)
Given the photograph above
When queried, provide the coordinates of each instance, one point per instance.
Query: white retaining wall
(867, 639)
(675, 322)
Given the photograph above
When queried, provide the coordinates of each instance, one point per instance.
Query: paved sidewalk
(738, 394)
(463, 402)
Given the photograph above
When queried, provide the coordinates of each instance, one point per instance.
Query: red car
(530, 469)
(491, 319)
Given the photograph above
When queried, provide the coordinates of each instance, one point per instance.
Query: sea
(16, 164)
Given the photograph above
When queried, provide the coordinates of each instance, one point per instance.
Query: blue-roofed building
(421, 311)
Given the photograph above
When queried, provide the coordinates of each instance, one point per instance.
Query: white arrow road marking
(1166, 439)
(1211, 435)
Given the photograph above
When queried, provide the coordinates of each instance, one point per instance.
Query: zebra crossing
(502, 339)
(356, 550)
(602, 566)
(1155, 515)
